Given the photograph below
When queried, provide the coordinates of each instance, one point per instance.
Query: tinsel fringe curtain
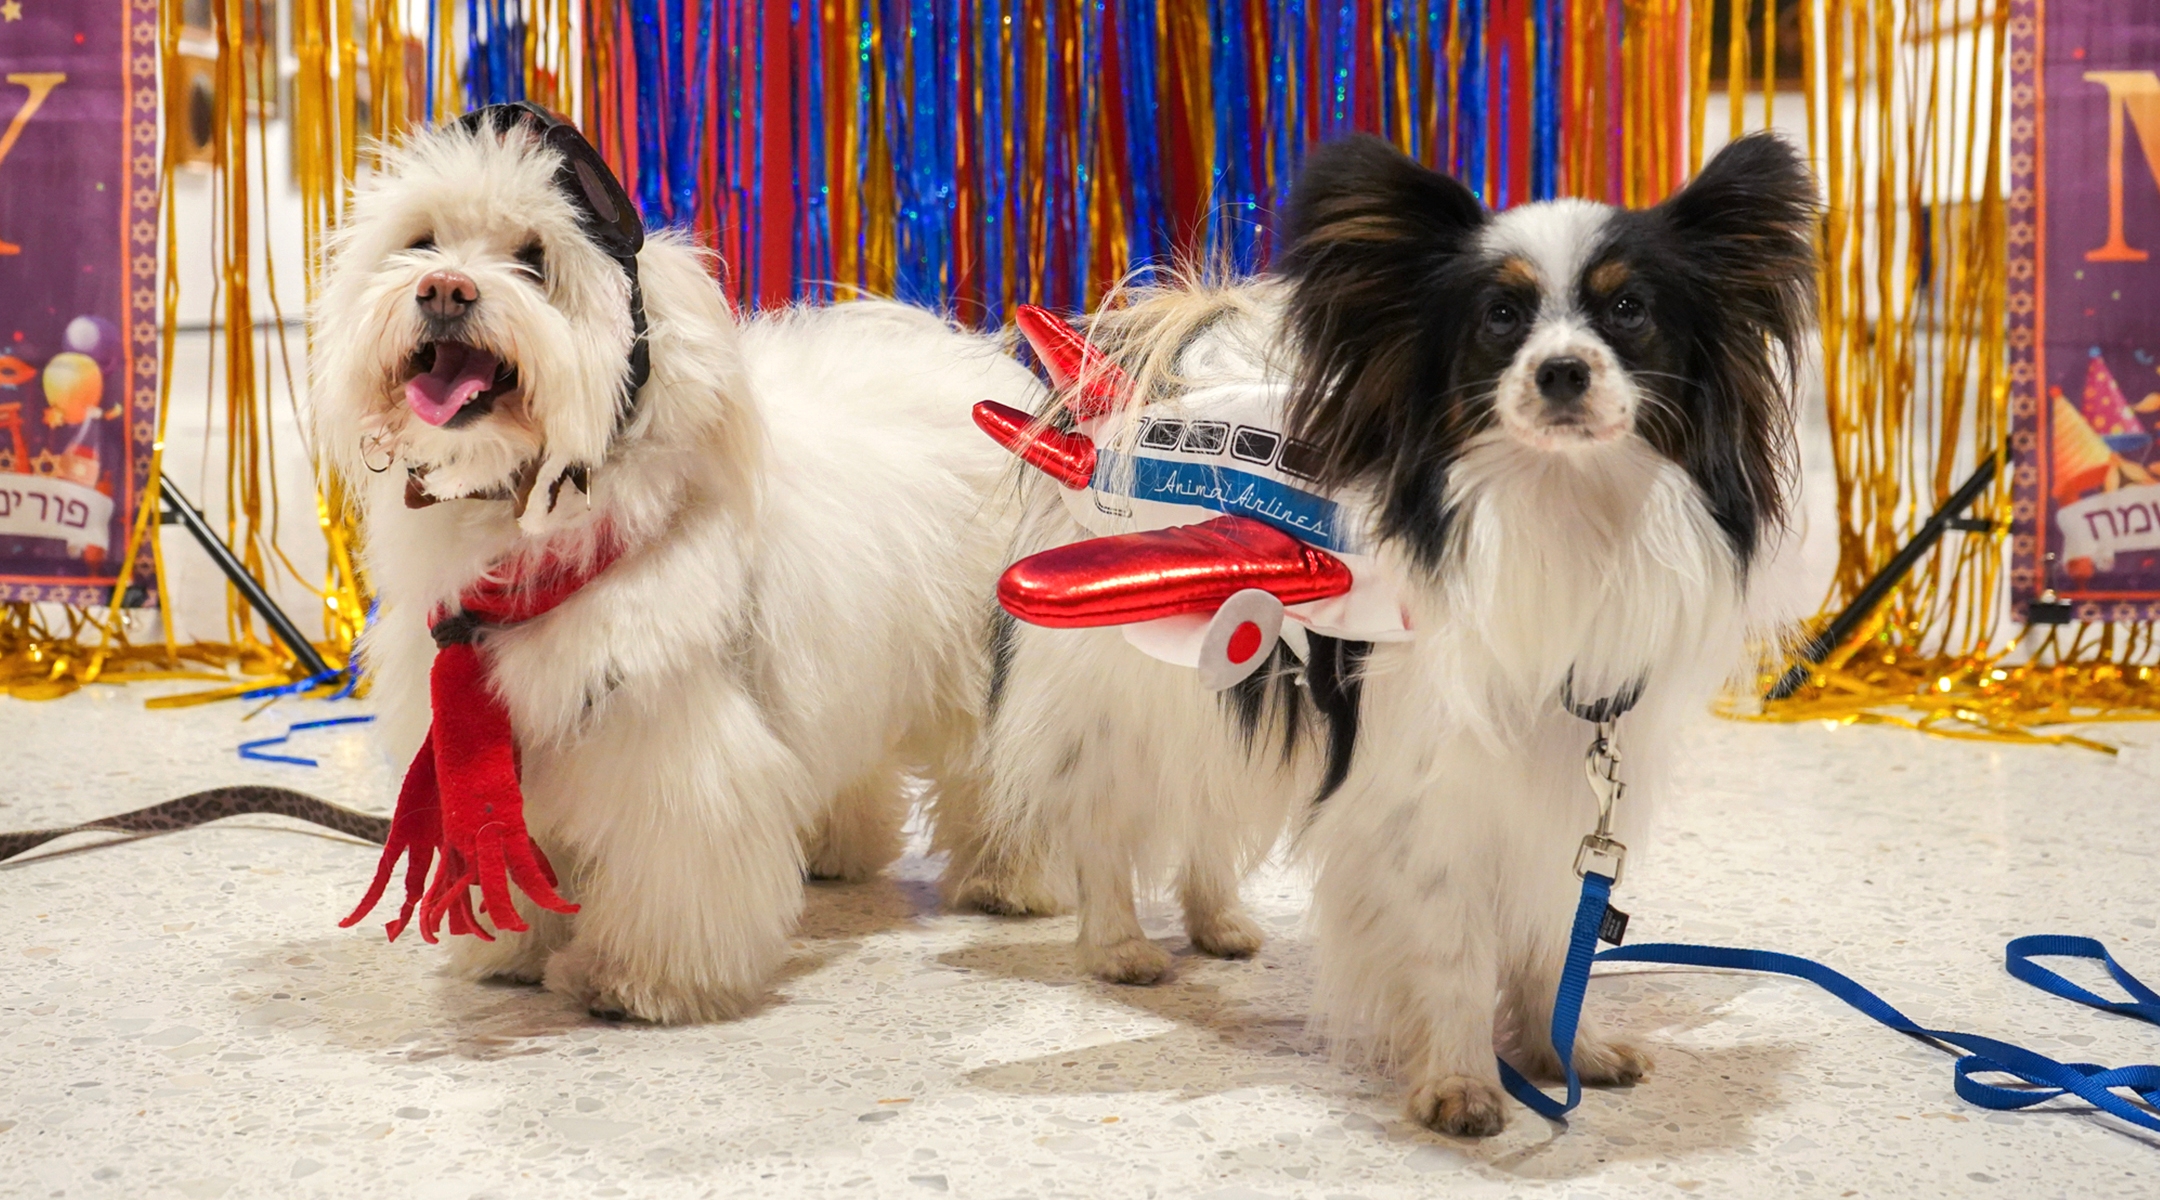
(974, 154)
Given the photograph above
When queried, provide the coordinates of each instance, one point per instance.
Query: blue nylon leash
(257, 749)
(2042, 1078)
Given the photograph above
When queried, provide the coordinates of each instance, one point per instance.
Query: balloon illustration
(74, 387)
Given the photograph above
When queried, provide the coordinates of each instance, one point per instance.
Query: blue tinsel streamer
(861, 166)
(687, 148)
(646, 42)
(909, 89)
(760, 58)
(1504, 129)
(1279, 109)
(1055, 231)
(1545, 118)
(434, 22)
(1437, 24)
(1150, 234)
(1232, 232)
(1470, 88)
(947, 118)
(991, 70)
(1340, 69)
(1090, 38)
(727, 190)
(814, 244)
(495, 53)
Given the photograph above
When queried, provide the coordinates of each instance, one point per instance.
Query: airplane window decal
(1162, 435)
(1300, 458)
(1205, 437)
(1254, 445)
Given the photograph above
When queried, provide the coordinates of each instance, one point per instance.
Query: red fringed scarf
(461, 794)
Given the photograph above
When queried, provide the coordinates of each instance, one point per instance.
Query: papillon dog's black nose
(1563, 380)
(445, 295)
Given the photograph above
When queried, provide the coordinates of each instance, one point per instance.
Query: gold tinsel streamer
(1905, 116)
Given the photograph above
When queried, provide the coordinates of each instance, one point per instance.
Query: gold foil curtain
(1906, 120)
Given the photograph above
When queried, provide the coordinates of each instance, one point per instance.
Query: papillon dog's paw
(1604, 1063)
(1459, 1106)
(612, 992)
(1134, 960)
(1226, 934)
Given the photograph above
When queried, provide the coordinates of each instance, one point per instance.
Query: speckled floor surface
(180, 1016)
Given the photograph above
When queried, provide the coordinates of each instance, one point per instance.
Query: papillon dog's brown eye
(425, 241)
(534, 259)
(1503, 318)
(1630, 314)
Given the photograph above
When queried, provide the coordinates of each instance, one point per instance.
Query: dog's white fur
(1443, 863)
(801, 614)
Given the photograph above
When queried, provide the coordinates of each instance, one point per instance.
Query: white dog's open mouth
(452, 383)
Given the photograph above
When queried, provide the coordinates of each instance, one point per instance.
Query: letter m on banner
(2133, 99)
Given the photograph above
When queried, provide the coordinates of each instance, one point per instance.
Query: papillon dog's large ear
(1749, 221)
(1742, 238)
(1367, 245)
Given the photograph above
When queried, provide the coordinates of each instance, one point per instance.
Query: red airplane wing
(1166, 572)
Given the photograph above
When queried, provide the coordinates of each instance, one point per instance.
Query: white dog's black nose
(1563, 380)
(445, 295)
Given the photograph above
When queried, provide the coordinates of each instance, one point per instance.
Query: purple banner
(78, 294)
(2085, 306)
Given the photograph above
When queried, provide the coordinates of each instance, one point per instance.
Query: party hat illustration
(2082, 459)
(2107, 411)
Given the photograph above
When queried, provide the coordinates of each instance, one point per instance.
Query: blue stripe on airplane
(1301, 514)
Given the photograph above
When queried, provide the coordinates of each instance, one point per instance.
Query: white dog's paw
(1135, 960)
(517, 957)
(1459, 1106)
(1002, 894)
(842, 859)
(610, 991)
(1229, 933)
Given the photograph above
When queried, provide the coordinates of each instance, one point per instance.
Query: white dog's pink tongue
(460, 373)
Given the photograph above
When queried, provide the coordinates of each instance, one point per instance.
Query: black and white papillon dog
(1573, 428)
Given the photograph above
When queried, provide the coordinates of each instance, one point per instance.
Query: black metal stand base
(178, 509)
(1855, 614)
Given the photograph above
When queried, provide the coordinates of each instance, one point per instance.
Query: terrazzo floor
(180, 1015)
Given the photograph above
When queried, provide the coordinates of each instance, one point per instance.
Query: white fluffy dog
(1572, 427)
(799, 613)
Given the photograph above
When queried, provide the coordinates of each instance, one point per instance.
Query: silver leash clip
(1601, 765)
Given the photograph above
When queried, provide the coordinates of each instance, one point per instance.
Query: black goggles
(605, 214)
(604, 208)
